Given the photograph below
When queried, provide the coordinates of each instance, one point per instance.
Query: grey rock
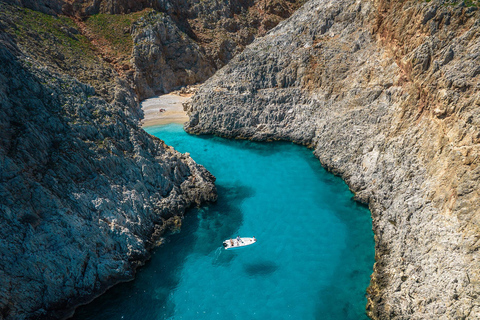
(373, 89)
(46, 6)
(85, 193)
(165, 57)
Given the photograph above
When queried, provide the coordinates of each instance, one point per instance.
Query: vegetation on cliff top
(112, 32)
(41, 34)
(58, 44)
(99, 47)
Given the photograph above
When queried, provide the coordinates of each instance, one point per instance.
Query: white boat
(231, 244)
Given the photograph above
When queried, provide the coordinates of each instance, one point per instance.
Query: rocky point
(386, 93)
(85, 193)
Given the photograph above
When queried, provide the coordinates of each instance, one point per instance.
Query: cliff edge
(85, 193)
(387, 95)
(175, 43)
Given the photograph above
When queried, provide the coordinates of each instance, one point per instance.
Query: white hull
(227, 244)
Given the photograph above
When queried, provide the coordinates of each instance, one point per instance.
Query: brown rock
(374, 89)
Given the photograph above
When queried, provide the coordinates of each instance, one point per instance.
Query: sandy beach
(164, 109)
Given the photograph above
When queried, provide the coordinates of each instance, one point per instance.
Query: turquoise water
(312, 260)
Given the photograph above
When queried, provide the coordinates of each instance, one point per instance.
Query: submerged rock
(386, 93)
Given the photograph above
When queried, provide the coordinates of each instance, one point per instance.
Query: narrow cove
(312, 260)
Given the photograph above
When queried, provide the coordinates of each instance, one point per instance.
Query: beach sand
(171, 104)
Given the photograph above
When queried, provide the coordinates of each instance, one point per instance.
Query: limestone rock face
(45, 6)
(183, 43)
(165, 57)
(387, 95)
(84, 192)
(189, 40)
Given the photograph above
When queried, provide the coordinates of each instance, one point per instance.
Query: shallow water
(312, 260)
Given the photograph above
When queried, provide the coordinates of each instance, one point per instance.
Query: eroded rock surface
(180, 43)
(189, 40)
(84, 192)
(165, 57)
(387, 94)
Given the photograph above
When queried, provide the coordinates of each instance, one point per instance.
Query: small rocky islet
(386, 93)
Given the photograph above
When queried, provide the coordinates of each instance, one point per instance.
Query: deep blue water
(312, 260)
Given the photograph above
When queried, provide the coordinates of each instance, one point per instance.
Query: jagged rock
(84, 192)
(191, 40)
(187, 42)
(164, 57)
(374, 89)
(45, 6)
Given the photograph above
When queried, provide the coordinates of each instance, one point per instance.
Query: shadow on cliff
(148, 296)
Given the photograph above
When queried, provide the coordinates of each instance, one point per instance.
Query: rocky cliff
(387, 95)
(85, 193)
(180, 43)
(165, 57)
(190, 40)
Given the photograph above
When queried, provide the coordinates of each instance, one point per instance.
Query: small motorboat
(238, 243)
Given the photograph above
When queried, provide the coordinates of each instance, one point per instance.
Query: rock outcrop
(387, 94)
(165, 57)
(85, 193)
(85, 8)
(188, 41)
(181, 43)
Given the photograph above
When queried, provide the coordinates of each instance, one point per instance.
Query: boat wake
(217, 254)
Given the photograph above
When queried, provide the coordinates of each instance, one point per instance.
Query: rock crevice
(85, 193)
(385, 92)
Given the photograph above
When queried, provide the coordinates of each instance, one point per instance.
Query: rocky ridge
(85, 193)
(386, 94)
(190, 39)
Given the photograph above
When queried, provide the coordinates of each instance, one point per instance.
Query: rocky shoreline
(85, 192)
(386, 93)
